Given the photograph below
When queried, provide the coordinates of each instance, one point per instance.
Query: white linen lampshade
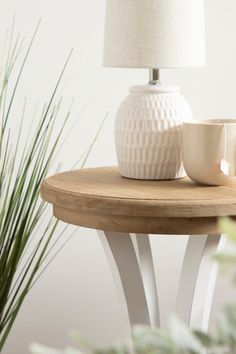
(154, 33)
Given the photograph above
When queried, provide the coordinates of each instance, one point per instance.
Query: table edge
(143, 207)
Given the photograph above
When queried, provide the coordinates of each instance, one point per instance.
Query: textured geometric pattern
(148, 134)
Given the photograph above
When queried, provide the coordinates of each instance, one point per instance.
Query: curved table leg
(132, 279)
(148, 275)
(198, 278)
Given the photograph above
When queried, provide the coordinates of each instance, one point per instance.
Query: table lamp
(153, 34)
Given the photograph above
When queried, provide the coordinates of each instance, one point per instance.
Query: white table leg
(149, 278)
(131, 279)
(198, 278)
(134, 277)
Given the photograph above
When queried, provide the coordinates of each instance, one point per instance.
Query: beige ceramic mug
(209, 151)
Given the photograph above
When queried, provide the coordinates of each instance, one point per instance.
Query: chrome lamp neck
(154, 76)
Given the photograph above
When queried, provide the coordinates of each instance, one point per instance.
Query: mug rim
(213, 122)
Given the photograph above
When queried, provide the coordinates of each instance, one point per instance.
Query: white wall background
(77, 291)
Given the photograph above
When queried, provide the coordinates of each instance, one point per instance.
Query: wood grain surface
(100, 198)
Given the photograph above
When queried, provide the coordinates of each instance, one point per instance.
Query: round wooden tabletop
(100, 198)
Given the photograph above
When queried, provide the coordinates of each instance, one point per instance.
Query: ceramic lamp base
(148, 132)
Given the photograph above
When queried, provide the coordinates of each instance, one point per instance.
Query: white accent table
(126, 211)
